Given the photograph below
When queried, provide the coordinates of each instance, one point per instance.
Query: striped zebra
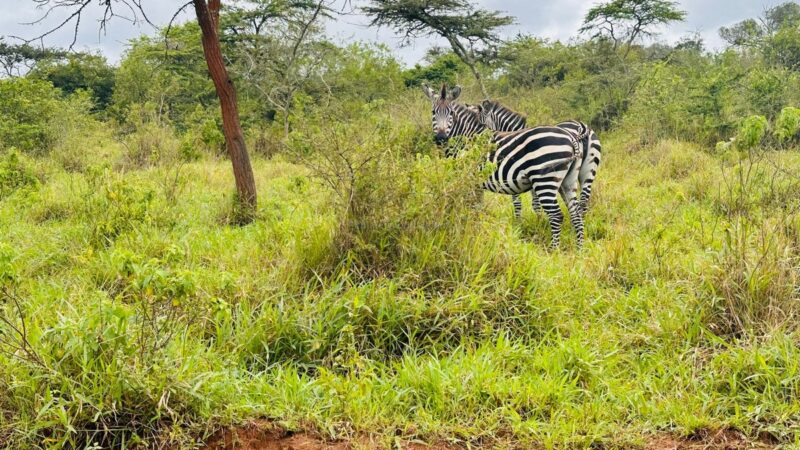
(499, 118)
(533, 159)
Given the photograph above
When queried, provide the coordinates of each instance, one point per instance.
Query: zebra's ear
(454, 93)
(430, 93)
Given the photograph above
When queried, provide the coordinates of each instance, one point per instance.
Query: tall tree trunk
(208, 19)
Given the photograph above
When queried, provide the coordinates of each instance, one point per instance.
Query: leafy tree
(532, 62)
(207, 13)
(783, 49)
(16, 59)
(775, 35)
(27, 110)
(743, 34)
(443, 69)
(279, 48)
(472, 33)
(167, 71)
(782, 16)
(80, 71)
(626, 21)
(361, 72)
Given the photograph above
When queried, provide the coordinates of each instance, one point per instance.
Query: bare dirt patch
(265, 435)
(709, 440)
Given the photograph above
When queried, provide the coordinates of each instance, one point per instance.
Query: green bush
(203, 134)
(752, 132)
(766, 91)
(422, 199)
(114, 206)
(15, 174)
(152, 139)
(28, 110)
(443, 69)
(787, 126)
(80, 72)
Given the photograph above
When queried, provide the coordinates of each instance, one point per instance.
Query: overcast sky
(552, 19)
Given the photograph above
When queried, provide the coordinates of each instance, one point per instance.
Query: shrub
(688, 103)
(27, 111)
(204, 134)
(765, 91)
(753, 283)
(114, 206)
(395, 203)
(75, 125)
(787, 126)
(8, 272)
(752, 132)
(15, 174)
(152, 139)
(753, 279)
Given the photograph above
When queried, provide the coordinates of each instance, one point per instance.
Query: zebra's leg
(547, 194)
(589, 172)
(570, 197)
(586, 194)
(568, 191)
(517, 205)
(535, 203)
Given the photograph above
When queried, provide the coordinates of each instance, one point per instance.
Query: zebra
(451, 119)
(499, 118)
(533, 159)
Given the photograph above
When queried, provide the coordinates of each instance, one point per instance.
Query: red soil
(265, 435)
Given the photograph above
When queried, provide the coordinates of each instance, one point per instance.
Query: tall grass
(379, 291)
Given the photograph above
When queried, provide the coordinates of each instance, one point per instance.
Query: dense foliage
(379, 291)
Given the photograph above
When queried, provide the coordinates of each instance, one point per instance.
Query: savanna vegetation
(376, 291)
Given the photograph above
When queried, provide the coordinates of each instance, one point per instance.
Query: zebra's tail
(583, 131)
(577, 147)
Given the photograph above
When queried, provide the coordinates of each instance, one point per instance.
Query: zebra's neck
(465, 122)
(504, 119)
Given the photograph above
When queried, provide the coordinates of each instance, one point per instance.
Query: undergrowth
(378, 291)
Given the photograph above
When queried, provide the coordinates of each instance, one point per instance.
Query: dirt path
(264, 435)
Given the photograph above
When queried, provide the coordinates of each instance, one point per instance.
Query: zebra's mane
(466, 112)
(493, 106)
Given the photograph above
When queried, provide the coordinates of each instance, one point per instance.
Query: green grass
(149, 319)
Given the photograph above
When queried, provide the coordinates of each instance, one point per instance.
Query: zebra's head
(443, 106)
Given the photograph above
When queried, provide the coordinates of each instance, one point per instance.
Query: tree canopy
(626, 21)
(775, 35)
(471, 32)
(16, 59)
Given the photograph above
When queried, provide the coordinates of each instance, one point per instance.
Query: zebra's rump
(533, 154)
(579, 129)
(529, 140)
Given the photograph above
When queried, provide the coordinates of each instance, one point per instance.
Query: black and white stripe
(592, 154)
(451, 119)
(534, 159)
(499, 118)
